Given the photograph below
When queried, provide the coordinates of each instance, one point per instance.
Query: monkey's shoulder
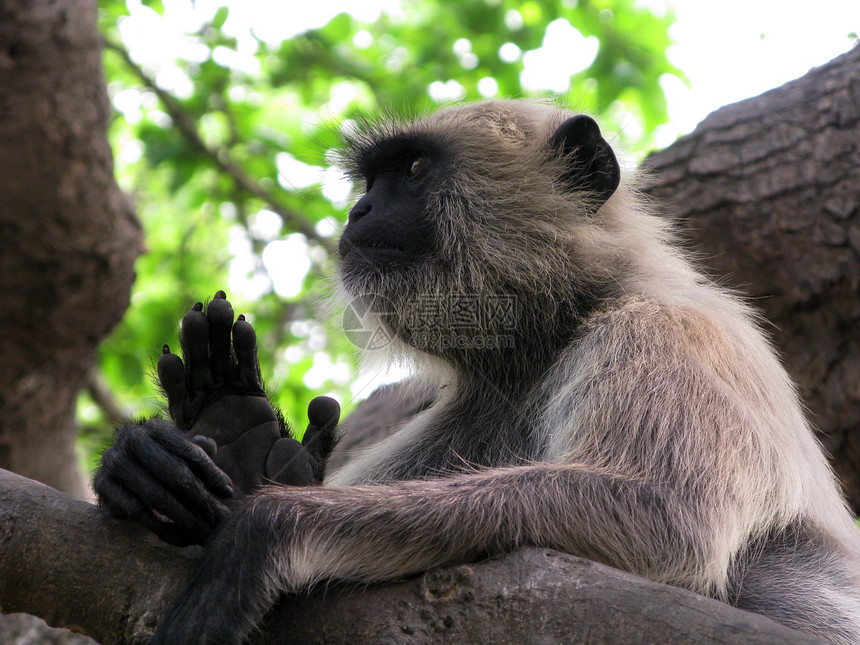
(662, 322)
(705, 346)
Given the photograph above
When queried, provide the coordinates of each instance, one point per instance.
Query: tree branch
(64, 561)
(218, 155)
(103, 397)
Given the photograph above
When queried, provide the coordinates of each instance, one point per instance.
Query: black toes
(320, 436)
(171, 375)
(194, 338)
(289, 463)
(245, 346)
(213, 363)
(220, 316)
(323, 411)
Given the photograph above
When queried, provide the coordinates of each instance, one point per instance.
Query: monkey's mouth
(372, 248)
(371, 251)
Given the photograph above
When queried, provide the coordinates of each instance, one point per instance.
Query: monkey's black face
(390, 228)
(457, 212)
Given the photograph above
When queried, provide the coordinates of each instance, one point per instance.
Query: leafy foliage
(224, 138)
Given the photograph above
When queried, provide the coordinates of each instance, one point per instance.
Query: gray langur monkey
(596, 395)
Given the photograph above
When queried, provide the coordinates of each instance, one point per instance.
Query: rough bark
(768, 191)
(109, 579)
(69, 238)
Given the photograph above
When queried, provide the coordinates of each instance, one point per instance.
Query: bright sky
(735, 49)
(730, 50)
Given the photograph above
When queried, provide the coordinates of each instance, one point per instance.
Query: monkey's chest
(458, 443)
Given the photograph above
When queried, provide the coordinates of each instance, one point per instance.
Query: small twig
(219, 156)
(102, 396)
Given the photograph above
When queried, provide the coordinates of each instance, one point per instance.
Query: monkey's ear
(592, 165)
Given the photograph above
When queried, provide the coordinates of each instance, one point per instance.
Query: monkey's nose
(358, 211)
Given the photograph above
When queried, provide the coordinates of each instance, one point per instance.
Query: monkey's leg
(795, 577)
(286, 539)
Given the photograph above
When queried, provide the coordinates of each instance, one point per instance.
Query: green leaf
(155, 5)
(220, 17)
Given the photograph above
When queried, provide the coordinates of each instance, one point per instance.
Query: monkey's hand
(154, 475)
(179, 480)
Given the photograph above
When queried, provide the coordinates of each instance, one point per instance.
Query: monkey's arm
(286, 539)
(176, 479)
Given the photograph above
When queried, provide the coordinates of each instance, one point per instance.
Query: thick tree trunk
(69, 238)
(47, 568)
(768, 190)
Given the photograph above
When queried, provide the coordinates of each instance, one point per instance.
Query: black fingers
(152, 472)
(176, 486)
(192, 518)
(196, 457)
(207, 443)
(120, 504)
(116, 500)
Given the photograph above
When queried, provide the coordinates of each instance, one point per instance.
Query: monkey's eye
(417, 166)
